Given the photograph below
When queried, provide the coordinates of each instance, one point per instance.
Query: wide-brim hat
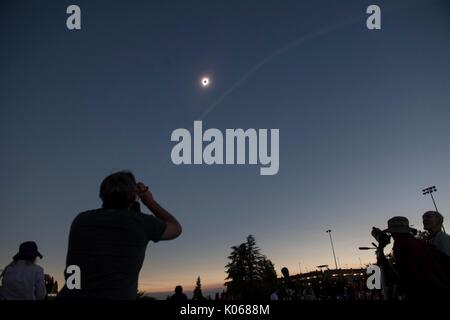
(399, 225)
(28, 250)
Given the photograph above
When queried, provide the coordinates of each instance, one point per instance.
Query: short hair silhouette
(118, 190)
(178, 289)
(439, 216)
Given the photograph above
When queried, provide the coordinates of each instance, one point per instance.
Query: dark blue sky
(363, 118)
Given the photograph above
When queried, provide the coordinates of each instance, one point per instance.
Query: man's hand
(173, 227)
(144, 193)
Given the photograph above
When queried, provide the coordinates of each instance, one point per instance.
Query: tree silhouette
(269, 276)
(198, 295)
(250, 275)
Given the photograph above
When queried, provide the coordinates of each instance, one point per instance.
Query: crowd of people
(109, 244)
(420, 266)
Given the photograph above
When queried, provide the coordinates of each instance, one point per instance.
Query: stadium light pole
(332, 248)
(430, 191)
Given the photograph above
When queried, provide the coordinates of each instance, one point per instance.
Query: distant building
(328, 284)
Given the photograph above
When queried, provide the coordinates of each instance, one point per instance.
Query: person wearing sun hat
(399, 225)
(23, 279)
(423, 270)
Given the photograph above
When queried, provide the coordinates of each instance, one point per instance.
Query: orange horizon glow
(219, 284)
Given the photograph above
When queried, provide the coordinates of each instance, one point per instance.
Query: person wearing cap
(23, 279)
(423, 271)
(433, 223)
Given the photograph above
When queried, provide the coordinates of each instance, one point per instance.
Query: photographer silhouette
(419, 270)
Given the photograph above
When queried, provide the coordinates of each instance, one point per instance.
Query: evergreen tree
(249, 273)
(269, 277)
(198, 295)
(236, 272)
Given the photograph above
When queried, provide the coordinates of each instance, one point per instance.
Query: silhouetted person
(289, 286)
(179, 296)
(432, 222)
(423, 271)
(109, 244)
(23, 279)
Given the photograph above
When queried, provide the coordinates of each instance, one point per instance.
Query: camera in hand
(382, 237)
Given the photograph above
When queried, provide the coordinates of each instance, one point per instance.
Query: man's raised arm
(173, 227)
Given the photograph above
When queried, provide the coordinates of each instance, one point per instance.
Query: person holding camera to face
(421, 270)
(109, 244)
